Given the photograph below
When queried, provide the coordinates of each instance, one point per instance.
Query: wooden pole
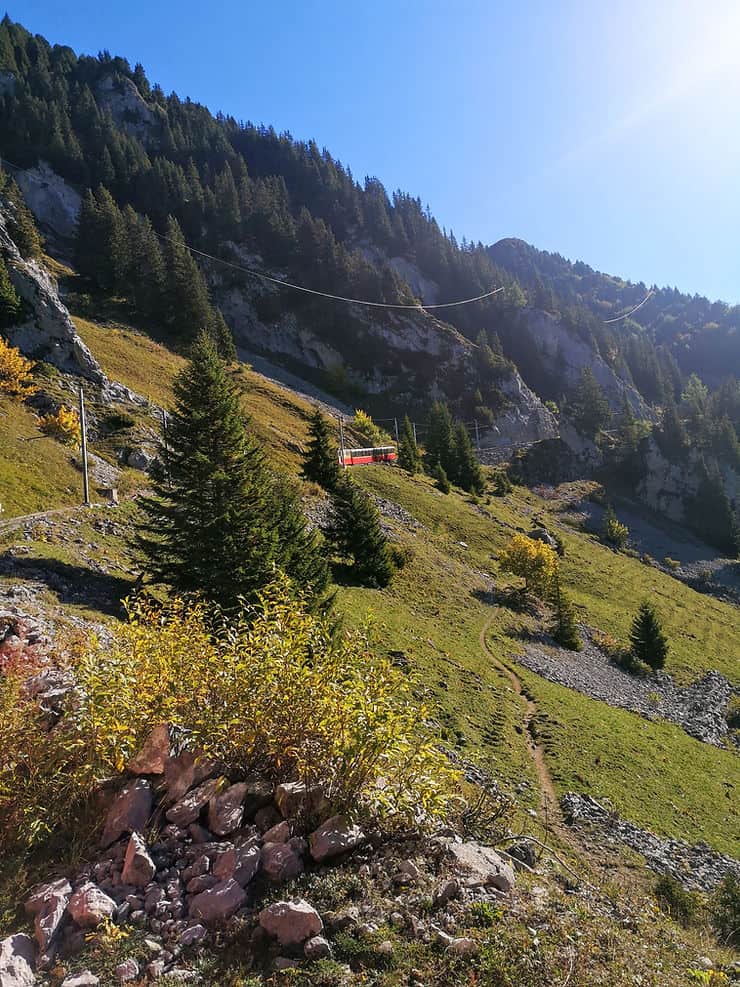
(83, 432)
(395, 425)
(477, 435)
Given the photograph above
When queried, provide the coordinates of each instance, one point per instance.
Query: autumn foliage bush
(64, 426)
(533, 561)
(15, 372)
(276, 690)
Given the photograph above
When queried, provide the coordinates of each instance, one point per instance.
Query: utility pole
(395, 425)
(413, 425)
(166, 447)
(477, 435)
(83, 432)
(341, 441)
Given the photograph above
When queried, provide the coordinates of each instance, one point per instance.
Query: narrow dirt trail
(549, 804)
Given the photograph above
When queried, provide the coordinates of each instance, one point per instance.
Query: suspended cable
(297, 287)
(628, 314)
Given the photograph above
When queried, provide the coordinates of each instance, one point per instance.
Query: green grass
(36, 473)
(654, 773)
(436, 607)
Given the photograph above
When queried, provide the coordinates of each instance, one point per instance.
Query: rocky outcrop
(523, 421)
(48, 332)
(127, 106)
(562, 349)
(54, 203)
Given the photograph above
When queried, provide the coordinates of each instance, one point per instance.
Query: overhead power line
(628, 314)
(288, 284)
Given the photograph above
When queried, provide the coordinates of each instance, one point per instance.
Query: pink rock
(337, 835)
(17, 958)
(218, 903)
(89, 906)
(138, 866)
(266, 817)
(42, 892)
(294, 798)
(291, 922)
(280, 833)
(189, 808)
(129, 812)
(241, 863)
(280, 862)
(225, 811)
(49, 919)
(185, 771)
(154, 754)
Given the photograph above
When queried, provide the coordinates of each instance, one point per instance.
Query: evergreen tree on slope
(648, 641)
(320, 462)
(354, 529)
(213, 525)
(408, 451)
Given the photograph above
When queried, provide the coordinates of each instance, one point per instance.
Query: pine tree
(187, 294)
(21, 224)
(10, 303)
(441, 478)
(302, 554)
(467, 470)
(438, 444)
(408, 451)
(213, 525)
(564, 628)
(589, 407)
(320, 462)
(649, 643)
(354, 529)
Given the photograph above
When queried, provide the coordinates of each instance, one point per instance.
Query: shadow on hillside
(74, 584)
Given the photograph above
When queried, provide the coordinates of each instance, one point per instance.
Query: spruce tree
(648, 641)
(589, 407)
(442, 480)
(354, 529)
(320, 462)
(213, 524)
(21, 224)
(408, 451)
(10, 303)
(467, 470)
(302, 553)
(187, 294)
(438, 443)
(564, 628)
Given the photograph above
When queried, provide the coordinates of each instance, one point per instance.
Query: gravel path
(698, 708)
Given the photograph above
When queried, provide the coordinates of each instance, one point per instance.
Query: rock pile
(186, 850)
(21, 638)
(696, 866)
(699, 708)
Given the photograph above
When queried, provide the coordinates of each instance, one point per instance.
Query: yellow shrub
(533, 561)
(364, 424)
(63, 426)
(276, 692)
(15, 372)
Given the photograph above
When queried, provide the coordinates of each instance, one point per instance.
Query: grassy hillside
(36, 473)
(440, 603)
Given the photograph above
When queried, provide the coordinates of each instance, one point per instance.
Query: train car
(359, 457)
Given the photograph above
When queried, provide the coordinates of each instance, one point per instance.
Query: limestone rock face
(49, 332)
(126, 105)
(54, 203)
(17, 956)
(291, 922)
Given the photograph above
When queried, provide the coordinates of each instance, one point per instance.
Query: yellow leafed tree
(533, 561)
(64, 426)
(15, 372)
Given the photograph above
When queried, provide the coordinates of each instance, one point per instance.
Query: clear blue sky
(607, 131)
